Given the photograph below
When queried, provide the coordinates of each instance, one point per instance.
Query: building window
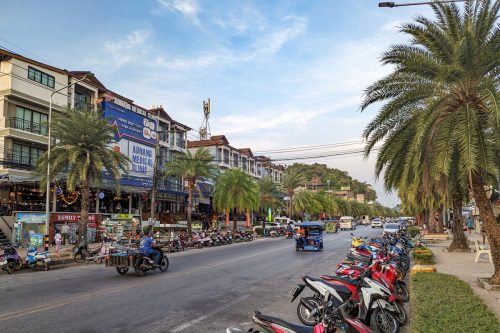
(259, 169)
(244, 165)
(41, 77)
(30, 121)
(26, 155)
(235, 160)
(82, 101)
(163, 132)
(179, 140)
(226, 156)
(172, 137)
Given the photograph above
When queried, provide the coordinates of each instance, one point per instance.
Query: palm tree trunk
(247, 219)
(491, 227)
(84, 217)
(226, 219)
(440, 222)
(235, 218)
(459, 239)
(189, 207)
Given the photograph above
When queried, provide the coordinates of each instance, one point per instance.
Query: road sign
(101, 195)
(59, 191)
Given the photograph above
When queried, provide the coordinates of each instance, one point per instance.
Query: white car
(377, 223)
(391, 228)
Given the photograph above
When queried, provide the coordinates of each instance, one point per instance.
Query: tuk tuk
(309, 236)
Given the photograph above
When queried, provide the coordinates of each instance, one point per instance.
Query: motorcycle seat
(294, 327)
(351, 282)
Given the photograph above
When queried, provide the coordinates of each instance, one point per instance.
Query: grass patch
(444, 303)
(423, 256)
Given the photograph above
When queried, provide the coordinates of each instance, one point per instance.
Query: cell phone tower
(204, 133)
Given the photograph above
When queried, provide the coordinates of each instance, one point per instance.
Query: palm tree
(444, 90)
(236, 190)
(291, 180)
(192, 168)
(269, 195)
(82, 151)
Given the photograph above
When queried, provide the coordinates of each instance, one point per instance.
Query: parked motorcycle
(37, 260)
(82, 253)
(10, 259)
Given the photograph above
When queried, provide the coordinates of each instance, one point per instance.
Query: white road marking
(201, 318)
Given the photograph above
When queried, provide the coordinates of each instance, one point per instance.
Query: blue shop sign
(130, 125)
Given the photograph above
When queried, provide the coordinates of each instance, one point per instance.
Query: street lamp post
(393, 4)
(47, 191)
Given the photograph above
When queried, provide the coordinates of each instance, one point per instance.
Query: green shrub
(423, 256)
(258, 231)
(444, 303)
(413, 231)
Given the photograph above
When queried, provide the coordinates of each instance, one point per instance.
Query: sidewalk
(461, 264)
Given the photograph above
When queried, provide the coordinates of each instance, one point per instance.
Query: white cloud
(127, 49)
(188, 8)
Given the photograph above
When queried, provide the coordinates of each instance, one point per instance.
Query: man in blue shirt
(147, 247)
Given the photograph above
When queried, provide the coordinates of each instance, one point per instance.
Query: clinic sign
(136, 139)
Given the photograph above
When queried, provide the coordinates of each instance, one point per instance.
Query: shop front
(68, 224)
(29, 225)
(121, 227)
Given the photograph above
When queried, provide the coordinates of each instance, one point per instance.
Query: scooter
(37, 260)
(10, 260)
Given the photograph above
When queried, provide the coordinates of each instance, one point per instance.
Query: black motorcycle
(144, 263)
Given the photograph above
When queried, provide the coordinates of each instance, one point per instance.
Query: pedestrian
(470, 225)
(58, 240)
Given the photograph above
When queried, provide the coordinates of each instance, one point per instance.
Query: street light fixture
(392, 4)
(47, 192)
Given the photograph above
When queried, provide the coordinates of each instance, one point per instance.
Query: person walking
(470, 225)
(58, 240)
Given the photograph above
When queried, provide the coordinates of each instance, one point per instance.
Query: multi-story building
(27, 88)
(170, 197)
(226, 157)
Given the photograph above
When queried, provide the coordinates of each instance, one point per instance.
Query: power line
(307, 148)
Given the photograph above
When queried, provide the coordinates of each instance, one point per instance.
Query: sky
(279, 74)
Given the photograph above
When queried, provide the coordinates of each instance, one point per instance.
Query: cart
(309, 237)
(122, 261)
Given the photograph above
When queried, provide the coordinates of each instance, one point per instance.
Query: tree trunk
(432, 221)
(490, 224)
(84, 217)
(189, 207)
(226, 219)
(440, 221)
(247, 219)
(235, 218)
(459, 239)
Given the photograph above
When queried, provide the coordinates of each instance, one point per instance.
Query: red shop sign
(68, 217)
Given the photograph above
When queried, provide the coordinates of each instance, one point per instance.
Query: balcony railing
(28, 126)
(16, 161)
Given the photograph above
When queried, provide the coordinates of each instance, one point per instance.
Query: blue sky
(279, 73)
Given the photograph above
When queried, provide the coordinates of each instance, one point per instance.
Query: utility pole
(392, 4)
(204, 132)
(152, 214)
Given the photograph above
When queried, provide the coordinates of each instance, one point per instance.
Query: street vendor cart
(309, 236)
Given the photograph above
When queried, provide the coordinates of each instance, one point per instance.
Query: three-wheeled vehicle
(123, 258)
(309, 236)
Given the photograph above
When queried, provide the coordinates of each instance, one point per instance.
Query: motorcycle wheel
(305, 315)
(45, 266)
(79, 257)
(377, 322)
(200, 245)
(98, 260)
(122, 270)
(140, 271)
(164, 264)
(19, 264)
(401, 290)
(8, 268)
(402, 316)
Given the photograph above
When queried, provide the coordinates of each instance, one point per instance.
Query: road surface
(203, 291)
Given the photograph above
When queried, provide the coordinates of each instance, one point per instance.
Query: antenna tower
(204, 132)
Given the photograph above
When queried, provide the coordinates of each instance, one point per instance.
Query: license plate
(47, 260)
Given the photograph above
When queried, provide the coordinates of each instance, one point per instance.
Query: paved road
(203, 290)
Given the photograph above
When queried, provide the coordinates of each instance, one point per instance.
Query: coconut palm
(82, 153)
(305, 201)
(236, 190)
(444, 90)
(192, 168)
(269, 195)
(292, 179)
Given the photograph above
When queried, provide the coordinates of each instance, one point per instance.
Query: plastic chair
(482, 249)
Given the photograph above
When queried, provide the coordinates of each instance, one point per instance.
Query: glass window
(41, 77)
(29, 120)
(26, 155)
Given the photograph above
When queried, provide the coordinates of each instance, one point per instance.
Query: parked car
(391, 228)
(377, 223)
(347, 223)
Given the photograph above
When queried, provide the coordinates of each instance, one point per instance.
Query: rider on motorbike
(147, 247)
